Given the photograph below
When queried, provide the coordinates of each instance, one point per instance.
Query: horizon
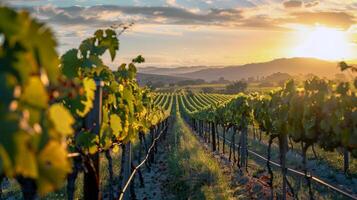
(353, 62)
(175, 33)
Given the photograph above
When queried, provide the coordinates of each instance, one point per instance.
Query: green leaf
(35, 93)
(105, 136)
(112, 42)
(61, 119)
(70, 63)
(132, 71)
(15, 150)
(138, 59)
(129, 98)
(7, 86)
(54, 167)
(45, 48)
(115, 124)
(87, 140)
(89, 89)
(92, 61)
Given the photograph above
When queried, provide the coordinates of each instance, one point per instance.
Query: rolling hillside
(292, 66)
(143, 78)
(170, 71)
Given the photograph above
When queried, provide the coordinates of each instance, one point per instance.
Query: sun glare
(324, 43)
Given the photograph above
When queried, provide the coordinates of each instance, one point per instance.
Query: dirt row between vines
(158, 180)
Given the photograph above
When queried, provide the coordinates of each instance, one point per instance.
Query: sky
(207, 32)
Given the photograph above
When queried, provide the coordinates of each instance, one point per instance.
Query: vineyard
(71, 127)
(314, 115)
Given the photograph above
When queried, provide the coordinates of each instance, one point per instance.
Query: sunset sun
(324, 43)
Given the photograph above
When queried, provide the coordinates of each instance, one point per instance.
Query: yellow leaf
(35, 93)
(54, 167)
(115, 124)
(61, 119)
(115, 149)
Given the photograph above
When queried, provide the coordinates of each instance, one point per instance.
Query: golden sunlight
(323, 43)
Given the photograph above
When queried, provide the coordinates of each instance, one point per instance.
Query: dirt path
(186, 168)
(156, 177)
(246, 185)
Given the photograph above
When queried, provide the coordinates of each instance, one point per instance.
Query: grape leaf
(138, 59)
(35, 93)
(25, 158)
(132, 71)
(45, 49)
(115, 149)
(89, 88)
(87, 141)
(129, 98)
(115, 124)
(70, 63)
(7, 86)
(110, 42)
(53, 167)
(61, 119)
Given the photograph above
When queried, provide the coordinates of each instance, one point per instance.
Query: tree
(208, 90)
(236, 87)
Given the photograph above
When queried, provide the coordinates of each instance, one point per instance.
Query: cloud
(292, 4)
(108, 15)
(261, 22)
(174, 15)
(259, 17)
(104, 16)
(332, 19)
(171, 2)
(312, 4)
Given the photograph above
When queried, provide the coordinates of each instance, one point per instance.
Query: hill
(170, 71)
(292, 66)
(143, 79)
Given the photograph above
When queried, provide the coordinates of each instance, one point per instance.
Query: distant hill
(143, 79)
(291, 66)
(170, 71)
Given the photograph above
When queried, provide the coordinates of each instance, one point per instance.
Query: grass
(256, 166)
(193, 173)
(333, 159)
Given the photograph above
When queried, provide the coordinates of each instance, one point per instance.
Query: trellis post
(346, 160)
(127, 170)
(93, 120)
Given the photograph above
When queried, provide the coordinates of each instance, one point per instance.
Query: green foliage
(43, 105)
(236, 87)
(320, 112)
(139, 59)
(31, 137)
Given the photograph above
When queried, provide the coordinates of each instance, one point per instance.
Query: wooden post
(283, 145)
(217, 137)
(201, 128)
(208, 131)
(93, 120)
(71, 178)
(127, 170)
(346, 160)
(244, 147)
(152, 133)
(213, 133)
